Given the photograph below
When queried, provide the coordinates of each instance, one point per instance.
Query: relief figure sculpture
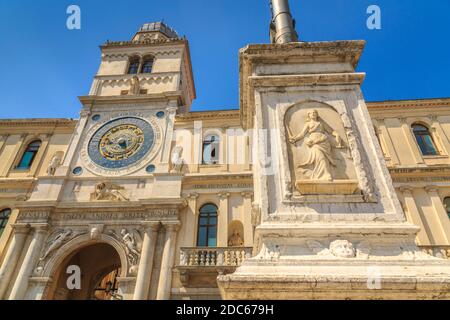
(320, 158)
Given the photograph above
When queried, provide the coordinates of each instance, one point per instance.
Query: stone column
(441, 213)
(168, 259)
(20, 233)
(413, 215)
(146, 262)
(412, 143)
(247, 219)
(29, 262)
(222, 223)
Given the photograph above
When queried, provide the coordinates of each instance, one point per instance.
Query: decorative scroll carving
(107, 191)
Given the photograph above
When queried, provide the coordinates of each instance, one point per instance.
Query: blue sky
(45, 67)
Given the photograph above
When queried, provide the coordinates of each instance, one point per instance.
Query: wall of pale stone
(422, 182)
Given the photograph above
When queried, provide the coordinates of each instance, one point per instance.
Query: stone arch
(79, 251)
(80, 243)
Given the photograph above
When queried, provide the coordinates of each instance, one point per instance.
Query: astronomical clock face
(120, 145)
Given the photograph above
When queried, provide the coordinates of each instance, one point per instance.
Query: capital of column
(247, 195)
(433, 117)
(152, 226)
(192, 196)
(172, 110)
(21, 228)
(432, 190)
(46, 136)
(171, 226)
(223, 195)
(40, 228)
(406, 190)
(84, 113)
(403, 120)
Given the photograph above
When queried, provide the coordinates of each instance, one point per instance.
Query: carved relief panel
(321, 150)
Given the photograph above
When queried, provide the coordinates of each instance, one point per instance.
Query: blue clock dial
(121, 143)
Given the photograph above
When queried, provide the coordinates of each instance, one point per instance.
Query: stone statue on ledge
(235, 240)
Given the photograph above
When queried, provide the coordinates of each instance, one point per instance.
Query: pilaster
(412, 144)
(413, 215)
(222, 225)
(441, 213)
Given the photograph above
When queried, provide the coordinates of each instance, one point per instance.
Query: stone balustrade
(437, 251)
(213, 257)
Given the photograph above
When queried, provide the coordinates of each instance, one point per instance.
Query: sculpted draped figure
(320, 156)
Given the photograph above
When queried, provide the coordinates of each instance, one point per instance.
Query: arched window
(133, 67)
(4, 217)
(211, 147)
(29, 155)
(207, 226)
(447, 205)
(424, 140)
(147, 65)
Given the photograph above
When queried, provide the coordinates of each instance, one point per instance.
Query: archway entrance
(99, 265)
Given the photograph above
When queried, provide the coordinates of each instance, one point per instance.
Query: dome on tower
(155, 30)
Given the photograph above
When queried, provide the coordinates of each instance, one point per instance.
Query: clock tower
(116, 177)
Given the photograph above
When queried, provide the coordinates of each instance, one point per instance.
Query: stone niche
(320, 158)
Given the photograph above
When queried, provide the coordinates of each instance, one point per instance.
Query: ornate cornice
(400, 104)
(44, 122)
(220, 115)
(337, 52)
(111, 44)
